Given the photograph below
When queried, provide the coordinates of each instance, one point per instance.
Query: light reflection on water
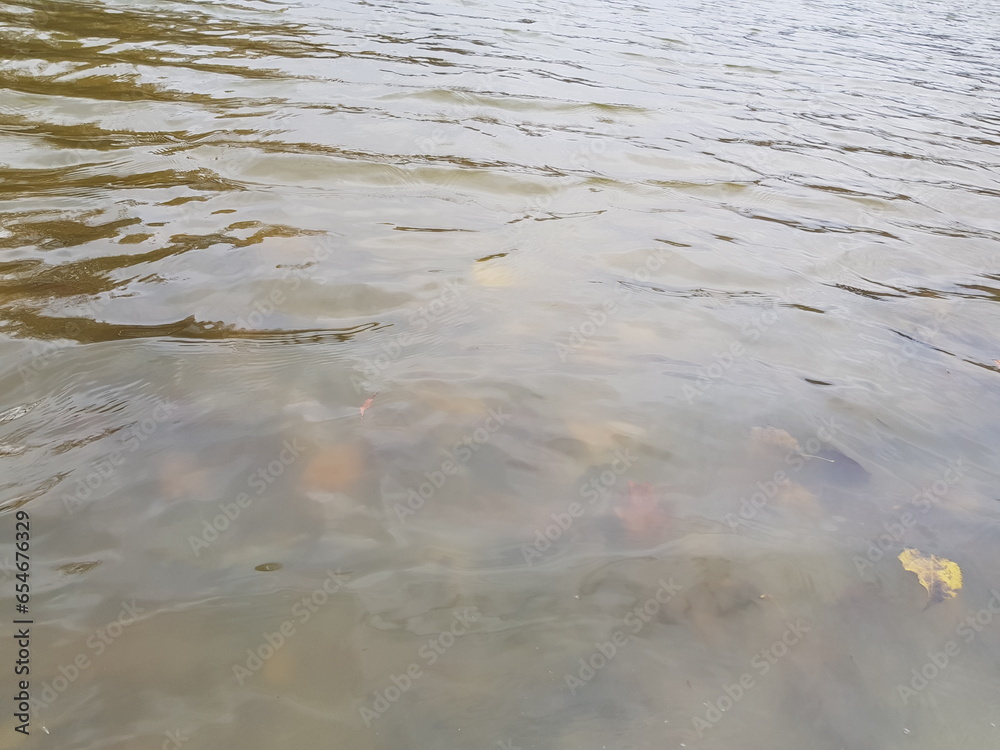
(677, 324)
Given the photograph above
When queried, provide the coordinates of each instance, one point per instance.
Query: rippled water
(674, 325)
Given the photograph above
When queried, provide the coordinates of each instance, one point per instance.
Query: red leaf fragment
(366, 404)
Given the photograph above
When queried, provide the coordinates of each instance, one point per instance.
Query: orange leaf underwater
(366, 404)
(643, 514)
(333, 468)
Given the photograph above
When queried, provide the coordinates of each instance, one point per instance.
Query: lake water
(465, 374)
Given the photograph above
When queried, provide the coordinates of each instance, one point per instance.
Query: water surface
(682, 320)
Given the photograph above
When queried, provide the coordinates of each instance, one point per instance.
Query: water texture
(465, 374)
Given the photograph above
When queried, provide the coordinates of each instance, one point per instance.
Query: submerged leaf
(774, 437)
(334, 468)
(492, 274)
(642, 512)
(942, 578)
(366, 404)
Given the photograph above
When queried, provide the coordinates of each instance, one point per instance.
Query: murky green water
(681, 325)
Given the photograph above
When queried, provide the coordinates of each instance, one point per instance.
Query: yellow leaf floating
(942, 578)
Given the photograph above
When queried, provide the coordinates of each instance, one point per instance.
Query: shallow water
(680, 322)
